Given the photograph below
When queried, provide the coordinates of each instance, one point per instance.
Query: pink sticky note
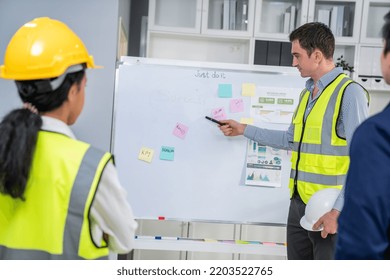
(180, 130)
(236, 105)
(219, 113)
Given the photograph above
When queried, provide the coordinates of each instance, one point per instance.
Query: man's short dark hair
(386, 33)
(315, 35)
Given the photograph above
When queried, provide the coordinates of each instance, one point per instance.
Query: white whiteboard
(205, 181)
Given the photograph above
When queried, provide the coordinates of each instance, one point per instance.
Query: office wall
(96, 22)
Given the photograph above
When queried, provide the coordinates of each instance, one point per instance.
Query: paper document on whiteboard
(264, 165)
(274, 105)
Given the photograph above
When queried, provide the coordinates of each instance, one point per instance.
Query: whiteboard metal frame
(257, 69)
(265, 69)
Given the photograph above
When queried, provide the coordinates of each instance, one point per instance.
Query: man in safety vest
(60, 198)
(331, 106)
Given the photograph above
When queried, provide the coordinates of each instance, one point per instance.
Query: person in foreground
(60, 198)
(364, 223)
(330, 108)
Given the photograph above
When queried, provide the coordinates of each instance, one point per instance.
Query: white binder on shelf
(232, 14)
(226, 14)
(293, 12)
(333, 20)
(337, 20)
(286, 22)
(324, 16)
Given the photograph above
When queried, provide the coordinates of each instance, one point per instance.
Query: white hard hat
(319, 203)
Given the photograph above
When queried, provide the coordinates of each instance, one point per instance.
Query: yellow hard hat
(43, 48)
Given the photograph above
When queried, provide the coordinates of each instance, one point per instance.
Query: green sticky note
(225, 90)
(242, 242)
(167, 153)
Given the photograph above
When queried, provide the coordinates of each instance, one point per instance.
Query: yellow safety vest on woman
(53, 220)
(320, 156)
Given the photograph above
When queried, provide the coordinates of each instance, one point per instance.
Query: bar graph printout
(264, 165)
(274, 105)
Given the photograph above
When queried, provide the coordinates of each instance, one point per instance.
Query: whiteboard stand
(205, 180)
(163, 99)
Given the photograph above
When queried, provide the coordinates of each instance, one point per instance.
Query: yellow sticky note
(246, 120)
(146, 154)
(248, 89)
(210, 240)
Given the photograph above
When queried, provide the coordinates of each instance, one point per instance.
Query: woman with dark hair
(60, 198)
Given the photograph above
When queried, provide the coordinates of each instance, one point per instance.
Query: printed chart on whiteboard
(273, 106)
(264, 165)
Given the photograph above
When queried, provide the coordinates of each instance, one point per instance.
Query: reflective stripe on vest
(77, 242)
(321, 155)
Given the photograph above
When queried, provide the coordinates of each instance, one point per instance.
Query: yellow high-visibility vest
(319, 157)
(53, 221)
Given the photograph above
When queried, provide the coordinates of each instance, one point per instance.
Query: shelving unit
(228, 17)
(275, 19)
(372, 21)
(203, 48)
(205, 30)
(175, 16)
(240, 31)
(342, 16)
(370, 47)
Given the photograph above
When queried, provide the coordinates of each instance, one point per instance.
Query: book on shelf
(215, 18)
(337, 20)
(348, 21)
(232, 14)
(324, 16)
(226, 14)
(293, 12)
(298, 20)
(333, 20)
(340, 21)
(241, 15)
(261, 52)
(286, 22)
(285, 54)
(273, 54)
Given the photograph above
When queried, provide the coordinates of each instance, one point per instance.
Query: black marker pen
(214, 120)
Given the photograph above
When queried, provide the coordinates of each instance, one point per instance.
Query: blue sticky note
(225, 90)
(167, 153)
